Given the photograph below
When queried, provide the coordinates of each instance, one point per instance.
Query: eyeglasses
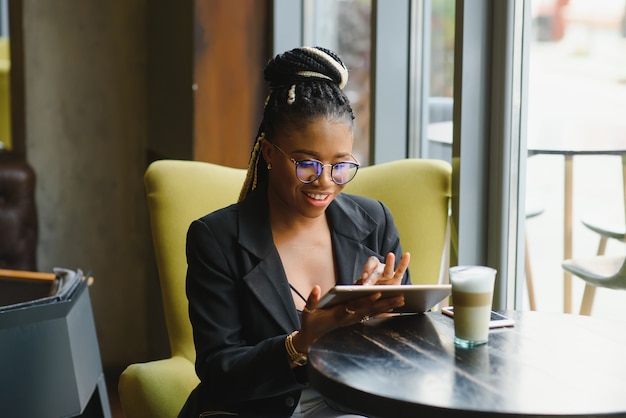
(307, 171)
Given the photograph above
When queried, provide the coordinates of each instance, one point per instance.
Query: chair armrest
(157, 389)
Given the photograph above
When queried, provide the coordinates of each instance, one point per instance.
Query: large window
(577, 97)
(491, 87)
(414, 83)
(4, 19)
(344, 26)
(436, 90)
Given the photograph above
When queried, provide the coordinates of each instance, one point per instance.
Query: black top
(546, 365)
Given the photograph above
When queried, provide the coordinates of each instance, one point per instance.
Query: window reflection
(439, 70)
(442, 48)
(576, 97)
(344, 26)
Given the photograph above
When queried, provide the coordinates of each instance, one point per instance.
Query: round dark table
(548, 364)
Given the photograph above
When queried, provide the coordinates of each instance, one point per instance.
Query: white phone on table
(497, 319)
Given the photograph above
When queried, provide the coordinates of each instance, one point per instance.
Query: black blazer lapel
(351, 225)
(266, 279)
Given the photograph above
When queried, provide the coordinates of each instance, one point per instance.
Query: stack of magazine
(61, 288)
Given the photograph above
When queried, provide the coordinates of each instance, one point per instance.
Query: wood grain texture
(548, 364)
(231, 44)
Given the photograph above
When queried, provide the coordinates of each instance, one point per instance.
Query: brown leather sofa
(18, 214)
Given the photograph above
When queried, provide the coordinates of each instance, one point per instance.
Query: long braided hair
(305, 83)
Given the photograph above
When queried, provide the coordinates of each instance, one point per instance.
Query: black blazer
(241, 307)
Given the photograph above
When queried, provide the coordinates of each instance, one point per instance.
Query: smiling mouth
(317, 196)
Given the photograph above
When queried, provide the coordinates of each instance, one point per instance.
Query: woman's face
(326, 140)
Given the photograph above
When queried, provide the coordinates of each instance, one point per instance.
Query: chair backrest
(179, 192)
(18, 214)
(416, 191)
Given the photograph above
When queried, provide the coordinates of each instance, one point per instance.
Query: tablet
(418, 298)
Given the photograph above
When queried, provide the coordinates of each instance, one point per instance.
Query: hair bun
(306, 63)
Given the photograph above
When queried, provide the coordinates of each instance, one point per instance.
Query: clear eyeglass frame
(309, 170)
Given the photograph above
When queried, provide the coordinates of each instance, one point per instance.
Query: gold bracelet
(297, 358)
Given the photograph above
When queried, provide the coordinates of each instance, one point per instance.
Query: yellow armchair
(178, 192)
(416, 191)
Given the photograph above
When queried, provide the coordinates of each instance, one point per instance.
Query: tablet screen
(417, 298)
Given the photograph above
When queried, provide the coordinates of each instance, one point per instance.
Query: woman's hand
(317, 322)
(375, 272)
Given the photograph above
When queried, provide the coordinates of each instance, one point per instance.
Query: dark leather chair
(18, 214)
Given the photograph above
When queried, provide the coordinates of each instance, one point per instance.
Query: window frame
(488, 153)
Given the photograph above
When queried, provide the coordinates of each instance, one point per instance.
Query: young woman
(257, 269)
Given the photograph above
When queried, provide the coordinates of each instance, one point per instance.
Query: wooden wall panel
(169, 77)
(18, 97)
(231, 47)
